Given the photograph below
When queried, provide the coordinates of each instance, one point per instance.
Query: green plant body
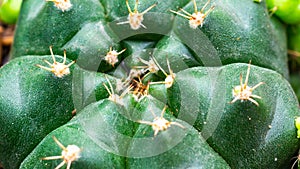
(155, 93)
(27, 108)
(89, 38)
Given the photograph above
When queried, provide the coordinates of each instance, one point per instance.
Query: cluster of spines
(135, 18)
(134, 83)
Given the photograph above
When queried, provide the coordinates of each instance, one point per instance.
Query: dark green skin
(254, 132)
(239, 31)
(88, 87)
(191, 151)
(90, 45)
(117, 8)
(91, 130)
(59, 27)
(132, 47)
(89, 133)
(171, 47)
(234, 32)
(240, 131)
(33, 102)
(180, 147)
(92, 156)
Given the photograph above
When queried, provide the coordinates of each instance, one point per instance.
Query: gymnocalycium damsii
(164, 102)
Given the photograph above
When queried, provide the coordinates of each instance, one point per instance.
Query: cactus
(173, 91)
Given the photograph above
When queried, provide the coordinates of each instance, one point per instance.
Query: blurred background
(9, 12)
(6, 39)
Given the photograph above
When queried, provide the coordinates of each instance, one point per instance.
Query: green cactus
(157, 93)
